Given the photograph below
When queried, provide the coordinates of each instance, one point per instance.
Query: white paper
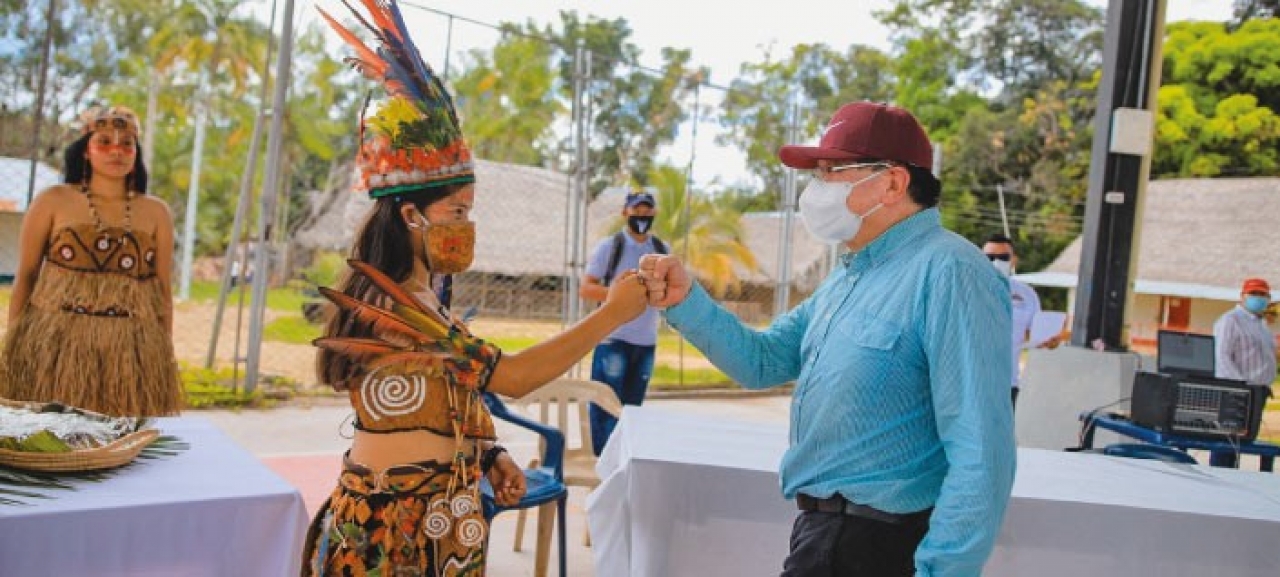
(1044, 326)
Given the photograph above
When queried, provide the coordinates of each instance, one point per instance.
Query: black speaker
(1194, 406)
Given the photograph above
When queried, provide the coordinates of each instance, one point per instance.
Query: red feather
(356, 348)
(433, 362)
(388, 286)
(387, 326)
(369, 61)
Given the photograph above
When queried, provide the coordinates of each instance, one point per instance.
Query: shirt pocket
(868, 333)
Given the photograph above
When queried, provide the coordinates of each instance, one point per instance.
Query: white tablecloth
(210, 511)
(686, 495)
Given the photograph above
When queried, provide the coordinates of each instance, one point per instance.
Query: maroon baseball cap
(865, 130)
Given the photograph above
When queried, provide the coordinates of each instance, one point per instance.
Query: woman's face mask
(825, 214)
(450, 248)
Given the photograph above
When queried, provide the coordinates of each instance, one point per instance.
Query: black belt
(838, 504)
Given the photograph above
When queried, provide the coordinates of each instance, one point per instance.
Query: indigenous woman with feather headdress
(91, 314)
(407, 500)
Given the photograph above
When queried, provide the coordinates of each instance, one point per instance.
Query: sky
(722, 34)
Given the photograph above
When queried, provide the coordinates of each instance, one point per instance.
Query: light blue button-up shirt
(902, 373)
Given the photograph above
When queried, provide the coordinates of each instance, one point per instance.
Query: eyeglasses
(824, 171)
(999, 256)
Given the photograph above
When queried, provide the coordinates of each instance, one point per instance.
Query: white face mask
(825, 214)
(1005, 267)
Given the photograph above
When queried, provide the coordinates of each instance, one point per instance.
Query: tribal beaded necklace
(97, 220)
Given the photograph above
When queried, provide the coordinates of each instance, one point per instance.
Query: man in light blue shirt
(902, 450)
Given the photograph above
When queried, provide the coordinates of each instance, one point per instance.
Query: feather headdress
(414, 140)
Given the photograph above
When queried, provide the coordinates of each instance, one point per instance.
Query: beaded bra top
(92, 248)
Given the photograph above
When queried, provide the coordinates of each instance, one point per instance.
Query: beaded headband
(113, 117)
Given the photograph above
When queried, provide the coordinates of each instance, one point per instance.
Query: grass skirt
(93, 340)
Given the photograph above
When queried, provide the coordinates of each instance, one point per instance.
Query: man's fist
(666, 278)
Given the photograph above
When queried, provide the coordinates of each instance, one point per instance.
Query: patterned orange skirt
(404, 521)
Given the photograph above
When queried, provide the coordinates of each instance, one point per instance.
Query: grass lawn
(285, 299)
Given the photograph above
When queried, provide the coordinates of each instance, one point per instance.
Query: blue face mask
(1256, 304)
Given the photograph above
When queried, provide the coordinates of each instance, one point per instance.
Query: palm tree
(707, 236)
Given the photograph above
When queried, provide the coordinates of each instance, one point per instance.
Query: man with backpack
(624, 361)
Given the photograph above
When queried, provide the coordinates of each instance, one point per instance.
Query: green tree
(507, 100)
(1219, 100)
(708, 233)
(635, 111)
(754, 113)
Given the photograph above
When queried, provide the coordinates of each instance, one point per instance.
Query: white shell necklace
(97, 220)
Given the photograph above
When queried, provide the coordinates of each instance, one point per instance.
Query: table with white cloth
(688, 494)
(212, 510)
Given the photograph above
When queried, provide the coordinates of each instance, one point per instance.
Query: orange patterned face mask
(450, 247)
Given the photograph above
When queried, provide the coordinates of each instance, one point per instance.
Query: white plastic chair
(553, 404)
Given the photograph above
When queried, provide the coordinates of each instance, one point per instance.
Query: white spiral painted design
(392, 395)
(471, 532)
(436, 525)
(463, 505)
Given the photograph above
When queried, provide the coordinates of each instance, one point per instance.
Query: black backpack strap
(660, 246)
(614, 258)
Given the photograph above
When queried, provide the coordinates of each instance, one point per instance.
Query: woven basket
(114, 454)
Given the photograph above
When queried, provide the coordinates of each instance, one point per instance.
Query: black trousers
(840, 545)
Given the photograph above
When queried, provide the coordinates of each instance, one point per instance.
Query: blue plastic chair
(545, 483)
(1145, 451)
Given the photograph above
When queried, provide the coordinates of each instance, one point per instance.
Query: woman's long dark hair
(78, 170)
(384, 242)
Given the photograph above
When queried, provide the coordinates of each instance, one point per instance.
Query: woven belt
(838, 504)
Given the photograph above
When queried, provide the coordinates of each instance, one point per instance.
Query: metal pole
(1117, 180)
(688, 200)
(40, 86)
(271, 183)
(448, 45)
(242, 209)
(193, 189)
(1004, 217)
(782, 290)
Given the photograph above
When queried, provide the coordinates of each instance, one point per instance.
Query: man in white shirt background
(1245, 348)
(1026, 303)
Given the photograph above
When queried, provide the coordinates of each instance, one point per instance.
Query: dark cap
(865, 130)
(641, 197)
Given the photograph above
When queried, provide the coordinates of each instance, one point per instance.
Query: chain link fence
(534, 236)
(516, 291)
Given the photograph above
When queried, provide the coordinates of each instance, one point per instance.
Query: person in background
(624, 361)
(1245, 349)
(1026, 304)
(91, 315)
(902, 453)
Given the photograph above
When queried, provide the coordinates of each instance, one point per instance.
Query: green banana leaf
(19, 487)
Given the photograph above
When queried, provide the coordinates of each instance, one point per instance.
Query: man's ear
(409, 213)
(899, 180)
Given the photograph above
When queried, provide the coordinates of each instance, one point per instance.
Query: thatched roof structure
(519, 214)
(1198, 238)
(521, 226)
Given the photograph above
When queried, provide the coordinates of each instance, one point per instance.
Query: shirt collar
(897, 236)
